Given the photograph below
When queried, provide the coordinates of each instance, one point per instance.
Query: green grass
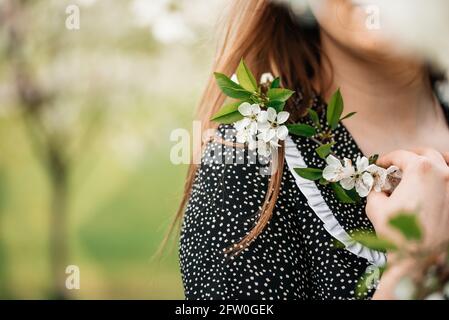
(118, 217)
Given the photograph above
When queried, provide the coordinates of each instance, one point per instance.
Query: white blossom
(393, 172)
(335, 171)
(361, 179)
(266, 148)
(379, 175)
(259, 129)
(266, 78)
(271, 124)
(247, 127)
(235, 79)
(251, 113)
(246, 135)
(383, 177)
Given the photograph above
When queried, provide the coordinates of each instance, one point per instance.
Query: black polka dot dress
(304, 253)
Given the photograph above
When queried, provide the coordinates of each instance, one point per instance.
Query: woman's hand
(424, 189)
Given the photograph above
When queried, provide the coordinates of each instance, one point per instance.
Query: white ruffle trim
(322, 210)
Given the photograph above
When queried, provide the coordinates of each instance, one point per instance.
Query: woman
(286, 235)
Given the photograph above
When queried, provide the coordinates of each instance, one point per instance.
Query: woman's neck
(392, 95)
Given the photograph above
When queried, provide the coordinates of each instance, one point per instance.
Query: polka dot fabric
(294, 257)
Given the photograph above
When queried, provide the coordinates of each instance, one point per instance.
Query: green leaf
(373, 242)
(229, 118)
(276, 105)
(335, 109)
(338, 244)
(246, 78)
(309, 173)
(324, 150)
(303, 130)
(341, 193)
(228, 113)
(324, 182)
(280, 94)
(367, 281)
(353, 195)
(276, 83)
(349, 115)
(408, 225)
(314, 116)
(230, 88)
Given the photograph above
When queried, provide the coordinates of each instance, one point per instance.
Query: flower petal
(282, 132)
(242, 124)
(268, 135)
(367, 179)
(263, 149)
(362, 190)
(330, 174)
(347, 162)
(347, 183)
(252, 128)
(274, 143)
(241, 137)
(262, 117)
(266, 77)
(333, 161)
(255, 109)
(364, 185)
(262, 127)
(394, 172)
(347, 172)
(375, 169)
(362, 163)
(245, 109)
(234, 78)
(282, 117)
(271, 114)
(252, 144)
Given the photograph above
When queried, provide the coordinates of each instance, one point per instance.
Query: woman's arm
(391, 278)
(424, 189)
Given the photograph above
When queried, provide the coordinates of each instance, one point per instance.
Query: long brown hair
(270, 39)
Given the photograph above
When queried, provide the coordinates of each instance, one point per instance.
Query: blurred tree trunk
(5, 289)
(47, 147)
(58, 172)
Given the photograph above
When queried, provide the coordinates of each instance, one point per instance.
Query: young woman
(285, 233)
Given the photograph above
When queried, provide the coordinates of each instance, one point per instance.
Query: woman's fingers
(431, 154)
(422, 159)
(376, 203)
(398, 158)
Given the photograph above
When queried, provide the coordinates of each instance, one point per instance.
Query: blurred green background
(85, 119)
